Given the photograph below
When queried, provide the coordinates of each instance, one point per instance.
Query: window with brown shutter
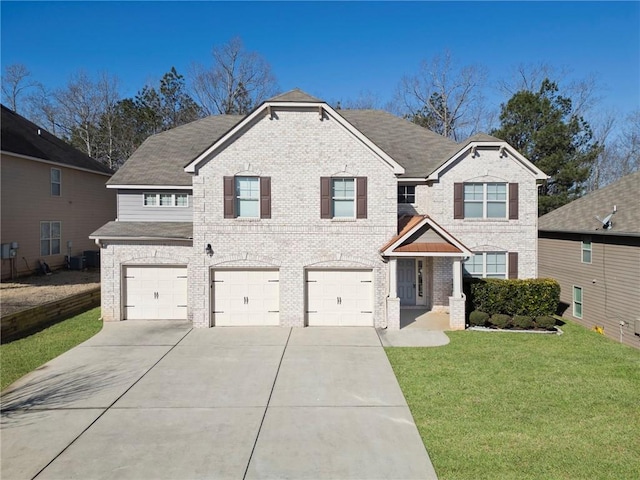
(361, 197)
(513, 201)
(458, 200)
(513, 264)
(229, 197)
(265, 197)
(325, 197)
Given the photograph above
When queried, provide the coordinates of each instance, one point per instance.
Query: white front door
(245, 297)
(339, 298)
(155, 292)
(407, 281)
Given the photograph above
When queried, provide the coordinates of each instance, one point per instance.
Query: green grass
(22, 356)
(524, 406)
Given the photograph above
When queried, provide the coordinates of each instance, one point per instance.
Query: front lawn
(525, 406)
(21, 356)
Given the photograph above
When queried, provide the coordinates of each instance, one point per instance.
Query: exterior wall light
(208, 250)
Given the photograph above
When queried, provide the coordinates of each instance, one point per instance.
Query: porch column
(393, 277)
(457, 278)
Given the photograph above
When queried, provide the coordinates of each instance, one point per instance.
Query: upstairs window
(166, 200)
(586, 251)
(247, 197)
(343, 197)
(50, 233)
(56, 182)
(406, 194)
(485, 201)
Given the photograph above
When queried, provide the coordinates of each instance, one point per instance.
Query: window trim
(58, 183)
(352, 199)
(237, 197)
(584, 250)
(575, 302)
(158, 195)
(485, 201)
(50, 238)
(484, 265)
(405, 195)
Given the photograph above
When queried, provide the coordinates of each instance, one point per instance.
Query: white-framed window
(485, 200)
(56, 182)
(586, 250)
(486, 265)
(248, 197)
(166, 200)
(343, 197)
(50, 234)
(406, 194)
(577, 302)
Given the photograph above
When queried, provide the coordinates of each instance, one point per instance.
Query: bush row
(532, 298)
(478, 318)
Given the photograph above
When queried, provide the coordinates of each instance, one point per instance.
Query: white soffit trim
(396, 167)
(427, 221)
(152, 187)
(57, 164)
(533, 170)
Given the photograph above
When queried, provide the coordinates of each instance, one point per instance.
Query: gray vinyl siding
(131, 208)
(610, 283)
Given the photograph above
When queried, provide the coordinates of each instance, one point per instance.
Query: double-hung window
(577, 302)
(56, 182)
(485, 200)
(343, 197)
(50, 234)
(406, 194)
(486, 265)
(166, 200)
(248, 197)
(586, 250)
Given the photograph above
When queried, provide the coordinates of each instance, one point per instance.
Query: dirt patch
(27, 292)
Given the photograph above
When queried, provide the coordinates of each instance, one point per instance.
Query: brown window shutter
(229, 197)
(513, 201)
(325, 197)
(361, 197)
(265, 197)
(458, 200)
(513, 264)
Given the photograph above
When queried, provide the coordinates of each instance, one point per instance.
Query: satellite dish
(607, 224)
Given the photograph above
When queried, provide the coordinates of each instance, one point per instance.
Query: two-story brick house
(301, 215)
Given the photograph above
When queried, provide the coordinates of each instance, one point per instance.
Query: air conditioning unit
(77, 263)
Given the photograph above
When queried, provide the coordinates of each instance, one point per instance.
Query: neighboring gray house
(298, 214)
(596, 263)
(53, 197)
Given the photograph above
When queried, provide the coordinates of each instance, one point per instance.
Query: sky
(332, 50)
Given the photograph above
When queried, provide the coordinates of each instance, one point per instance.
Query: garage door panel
(155, 292)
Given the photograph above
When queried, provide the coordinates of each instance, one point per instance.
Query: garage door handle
(339, 300)
(156, 295)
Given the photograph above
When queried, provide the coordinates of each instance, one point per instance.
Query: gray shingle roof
(580, 215)
(20, 136)
(295, 95)
(177, 230)
(161, 158)
(418, 150)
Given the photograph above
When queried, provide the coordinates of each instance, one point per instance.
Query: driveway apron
(160, 400)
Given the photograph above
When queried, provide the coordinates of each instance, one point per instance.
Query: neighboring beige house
(301, 215)
(597, 261)
(53, 197)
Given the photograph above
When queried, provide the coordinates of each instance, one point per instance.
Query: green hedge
(532, 298)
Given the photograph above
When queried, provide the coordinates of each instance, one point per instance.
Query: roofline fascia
(98, 238)
(535, 171)
(51, 162)
(425, 254)
(592, 232)
(152, 187)
(396, 167)
(412, 179)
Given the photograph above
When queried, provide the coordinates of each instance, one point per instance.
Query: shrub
(522, 321)
(546, 322)
(478, 318)
(533, 297)
(500, 320)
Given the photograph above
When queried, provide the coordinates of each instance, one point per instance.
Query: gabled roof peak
(295, 95)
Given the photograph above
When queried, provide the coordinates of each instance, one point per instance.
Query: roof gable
(579, 216)
(24, 138)
(420, 234)
(295, 95)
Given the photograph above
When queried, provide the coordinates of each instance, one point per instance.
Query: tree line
(547, 125)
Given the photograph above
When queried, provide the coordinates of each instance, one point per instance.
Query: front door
(407, 281)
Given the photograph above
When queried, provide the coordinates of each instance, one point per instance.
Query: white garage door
(155, 293)
(245, 297)
(339, 298)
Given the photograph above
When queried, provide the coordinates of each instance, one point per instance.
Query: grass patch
(518, 406)
(22, 356)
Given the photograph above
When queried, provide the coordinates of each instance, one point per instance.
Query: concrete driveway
(160, 400)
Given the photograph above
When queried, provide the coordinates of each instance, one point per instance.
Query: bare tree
(15, 80)
(42, 109)
(237, 80)
(366, 100)
(445, 98)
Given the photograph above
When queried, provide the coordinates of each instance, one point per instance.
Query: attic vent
(39, 132)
